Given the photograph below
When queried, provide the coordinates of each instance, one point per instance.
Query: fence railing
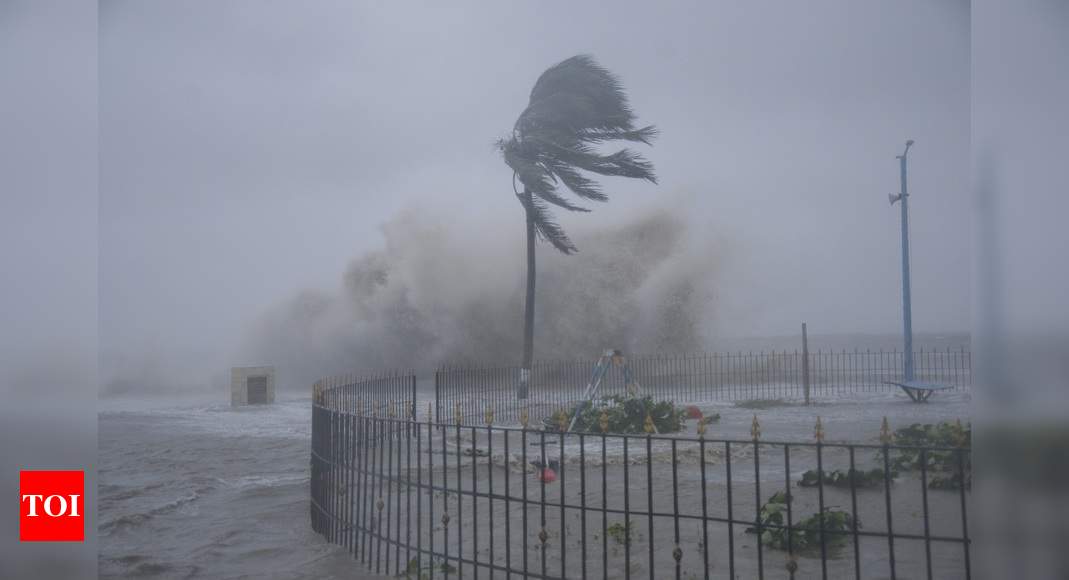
(424, 499)
(388, 394)
(695, 378)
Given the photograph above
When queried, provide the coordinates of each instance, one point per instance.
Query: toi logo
(51, 506)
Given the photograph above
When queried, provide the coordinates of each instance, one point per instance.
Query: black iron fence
(424, 499)
(695, 378)
(388, 394)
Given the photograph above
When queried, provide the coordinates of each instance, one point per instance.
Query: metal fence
(390, 393)
(695, 378)
(423, 499)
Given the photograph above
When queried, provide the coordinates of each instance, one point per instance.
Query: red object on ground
(548, 475)
(694, 412)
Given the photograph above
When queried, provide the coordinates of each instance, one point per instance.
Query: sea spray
(434, 293)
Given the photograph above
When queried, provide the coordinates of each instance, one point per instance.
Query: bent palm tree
(575, 106)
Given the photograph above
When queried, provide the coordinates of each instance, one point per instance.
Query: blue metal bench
(918, 391)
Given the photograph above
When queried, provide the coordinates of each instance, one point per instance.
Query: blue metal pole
(907, 313)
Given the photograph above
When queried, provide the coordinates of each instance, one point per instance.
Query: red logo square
(52, 506)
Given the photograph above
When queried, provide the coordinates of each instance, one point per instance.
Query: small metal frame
(918, 391)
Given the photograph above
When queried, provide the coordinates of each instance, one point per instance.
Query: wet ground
(206, 491)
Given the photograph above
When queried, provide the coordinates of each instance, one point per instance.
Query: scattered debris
(946, 467)
(838, 478)
(805, 534)
(761, 404)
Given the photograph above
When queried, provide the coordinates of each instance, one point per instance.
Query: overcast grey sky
(249, 150)
(48, 202)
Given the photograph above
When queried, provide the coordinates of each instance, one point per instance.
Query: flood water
(210, 491)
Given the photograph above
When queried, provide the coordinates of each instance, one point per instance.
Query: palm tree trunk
(528, 314)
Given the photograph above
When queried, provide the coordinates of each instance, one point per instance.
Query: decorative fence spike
(430, 412)
(458, 417)
(524, 417)
(603, 421)
(648, 425)
(543, 536)
(489, 416)
(755, 429)
(885, 432)
(562, 420)
(818, 431)
(701, 427)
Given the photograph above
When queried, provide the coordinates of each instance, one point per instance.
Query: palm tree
(575, 106)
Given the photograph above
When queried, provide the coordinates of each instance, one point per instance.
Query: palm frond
(623, 163)
(574, 180)
(644, 135)
(589, 86)
(537, 179)
(546, 226)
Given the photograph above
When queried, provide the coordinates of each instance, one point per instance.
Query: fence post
(805, 363)
(437, 399)
(413, 406)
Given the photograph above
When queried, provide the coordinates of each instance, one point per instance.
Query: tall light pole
(907, 313)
